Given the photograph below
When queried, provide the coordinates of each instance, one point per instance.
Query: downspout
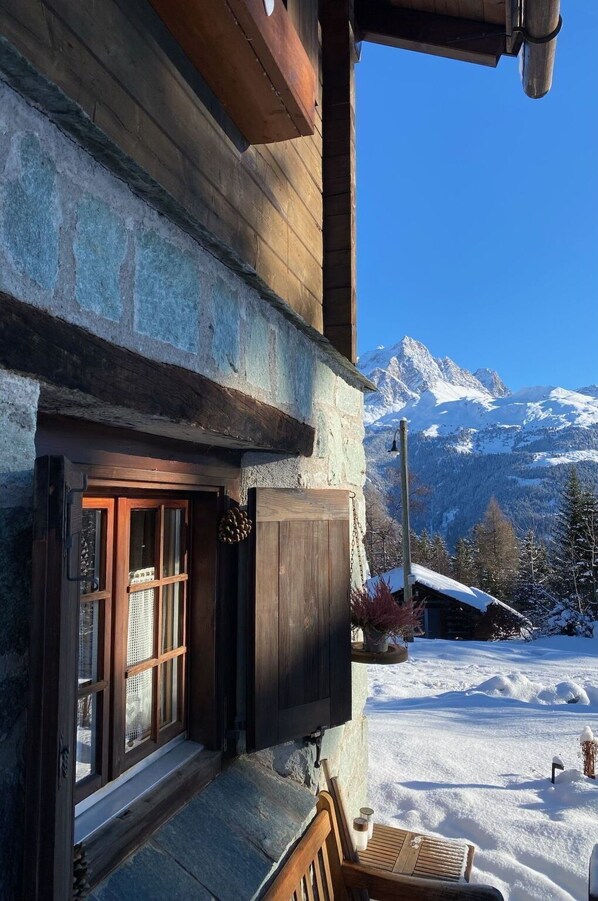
(542, 23)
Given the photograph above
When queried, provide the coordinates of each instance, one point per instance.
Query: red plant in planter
(376, 611)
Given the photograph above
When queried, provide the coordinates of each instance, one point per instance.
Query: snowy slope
(462, 738)
(457, 419)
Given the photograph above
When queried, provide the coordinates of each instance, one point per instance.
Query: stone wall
(18, 408)
(74, 240)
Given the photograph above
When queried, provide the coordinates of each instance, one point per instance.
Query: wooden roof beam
(455, 38)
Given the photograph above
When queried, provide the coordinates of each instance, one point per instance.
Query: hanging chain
(356, 542)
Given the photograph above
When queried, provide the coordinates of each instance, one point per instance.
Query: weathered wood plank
(338, 180)
(287, 504)
(65, 356)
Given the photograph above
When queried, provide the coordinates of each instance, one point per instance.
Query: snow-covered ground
(462, 739)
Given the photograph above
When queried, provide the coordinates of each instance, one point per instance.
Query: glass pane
(142, 552)
(169, 691)
(89, 637)
(140, 638)
(87, 729)
(138, 708)
(172, 616)
(173, 526)
(92, 563)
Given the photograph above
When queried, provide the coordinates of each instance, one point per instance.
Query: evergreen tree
(576, 539)
(441, 561)
(422, 550)
(496, 551)
(464, 568)
(532, 591)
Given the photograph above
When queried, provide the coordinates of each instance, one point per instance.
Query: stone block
(285, 361)
(18, 411)
(257, 353)
(151, 874)
(15, 584)
(99, 247)
(349, 400)
(166, 292)
(354, 462)
(12, 798)
(226, 316)
(31, 215)
(226, 862)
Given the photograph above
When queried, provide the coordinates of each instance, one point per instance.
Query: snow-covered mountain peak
(493, 383)
(440, 397)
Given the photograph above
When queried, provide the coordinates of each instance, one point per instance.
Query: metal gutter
(542, 23)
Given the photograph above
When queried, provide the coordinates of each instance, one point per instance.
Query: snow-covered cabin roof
(480, 600)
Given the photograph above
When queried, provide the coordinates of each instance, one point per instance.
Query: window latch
(316, 739)
(64, 758)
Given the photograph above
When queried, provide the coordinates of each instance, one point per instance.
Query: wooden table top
(414, 854)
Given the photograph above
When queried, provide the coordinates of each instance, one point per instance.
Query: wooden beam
(464, 39)
(338, 175)
(255, 64)
(86, 376)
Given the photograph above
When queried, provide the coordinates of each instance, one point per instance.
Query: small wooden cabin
(453, 610)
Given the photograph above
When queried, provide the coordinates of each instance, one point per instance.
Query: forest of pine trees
(554, 583)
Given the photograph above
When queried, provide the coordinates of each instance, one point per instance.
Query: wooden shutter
(53, 661)
(301, 638)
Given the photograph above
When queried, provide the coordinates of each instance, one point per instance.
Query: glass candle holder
(368, 815)
(360, 833)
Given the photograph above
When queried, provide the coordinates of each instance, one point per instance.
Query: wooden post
(405, 505)
(338, 168)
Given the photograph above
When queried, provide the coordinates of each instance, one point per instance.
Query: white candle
(360, 833)
(368, 815)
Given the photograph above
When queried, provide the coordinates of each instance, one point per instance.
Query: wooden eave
(476, 31)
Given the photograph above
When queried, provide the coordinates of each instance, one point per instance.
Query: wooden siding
(118, 61)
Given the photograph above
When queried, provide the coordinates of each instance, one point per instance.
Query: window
(132, 656)
(138, 628)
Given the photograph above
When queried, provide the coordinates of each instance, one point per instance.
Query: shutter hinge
(316, 739)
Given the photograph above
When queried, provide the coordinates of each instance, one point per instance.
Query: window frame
(113, 460)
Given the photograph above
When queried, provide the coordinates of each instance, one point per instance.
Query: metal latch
(316, 739)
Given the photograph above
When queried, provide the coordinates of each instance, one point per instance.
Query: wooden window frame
(102, 685)
(116, 461)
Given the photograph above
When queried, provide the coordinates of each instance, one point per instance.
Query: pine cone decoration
(80, 883)
(234, 526)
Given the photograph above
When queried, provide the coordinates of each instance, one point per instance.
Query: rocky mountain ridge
(470, 437)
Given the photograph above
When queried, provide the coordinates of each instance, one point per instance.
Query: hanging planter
(393, 654)
(376, 612)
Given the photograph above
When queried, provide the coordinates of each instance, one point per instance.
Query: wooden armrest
(392, 887)
(593, 890)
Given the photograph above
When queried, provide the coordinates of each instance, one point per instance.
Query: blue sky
(477, 209)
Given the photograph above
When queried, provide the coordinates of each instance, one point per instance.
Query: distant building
(454, 610)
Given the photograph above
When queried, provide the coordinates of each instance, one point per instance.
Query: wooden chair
(317, 871)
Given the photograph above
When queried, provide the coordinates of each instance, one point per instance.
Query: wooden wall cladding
(119, 62)
(255, 63)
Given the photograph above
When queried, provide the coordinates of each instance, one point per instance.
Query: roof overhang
(469, 30)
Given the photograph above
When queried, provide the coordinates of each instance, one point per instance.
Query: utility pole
(402, 430)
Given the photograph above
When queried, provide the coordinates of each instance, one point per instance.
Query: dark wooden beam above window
(456, 38)
(89, 378)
